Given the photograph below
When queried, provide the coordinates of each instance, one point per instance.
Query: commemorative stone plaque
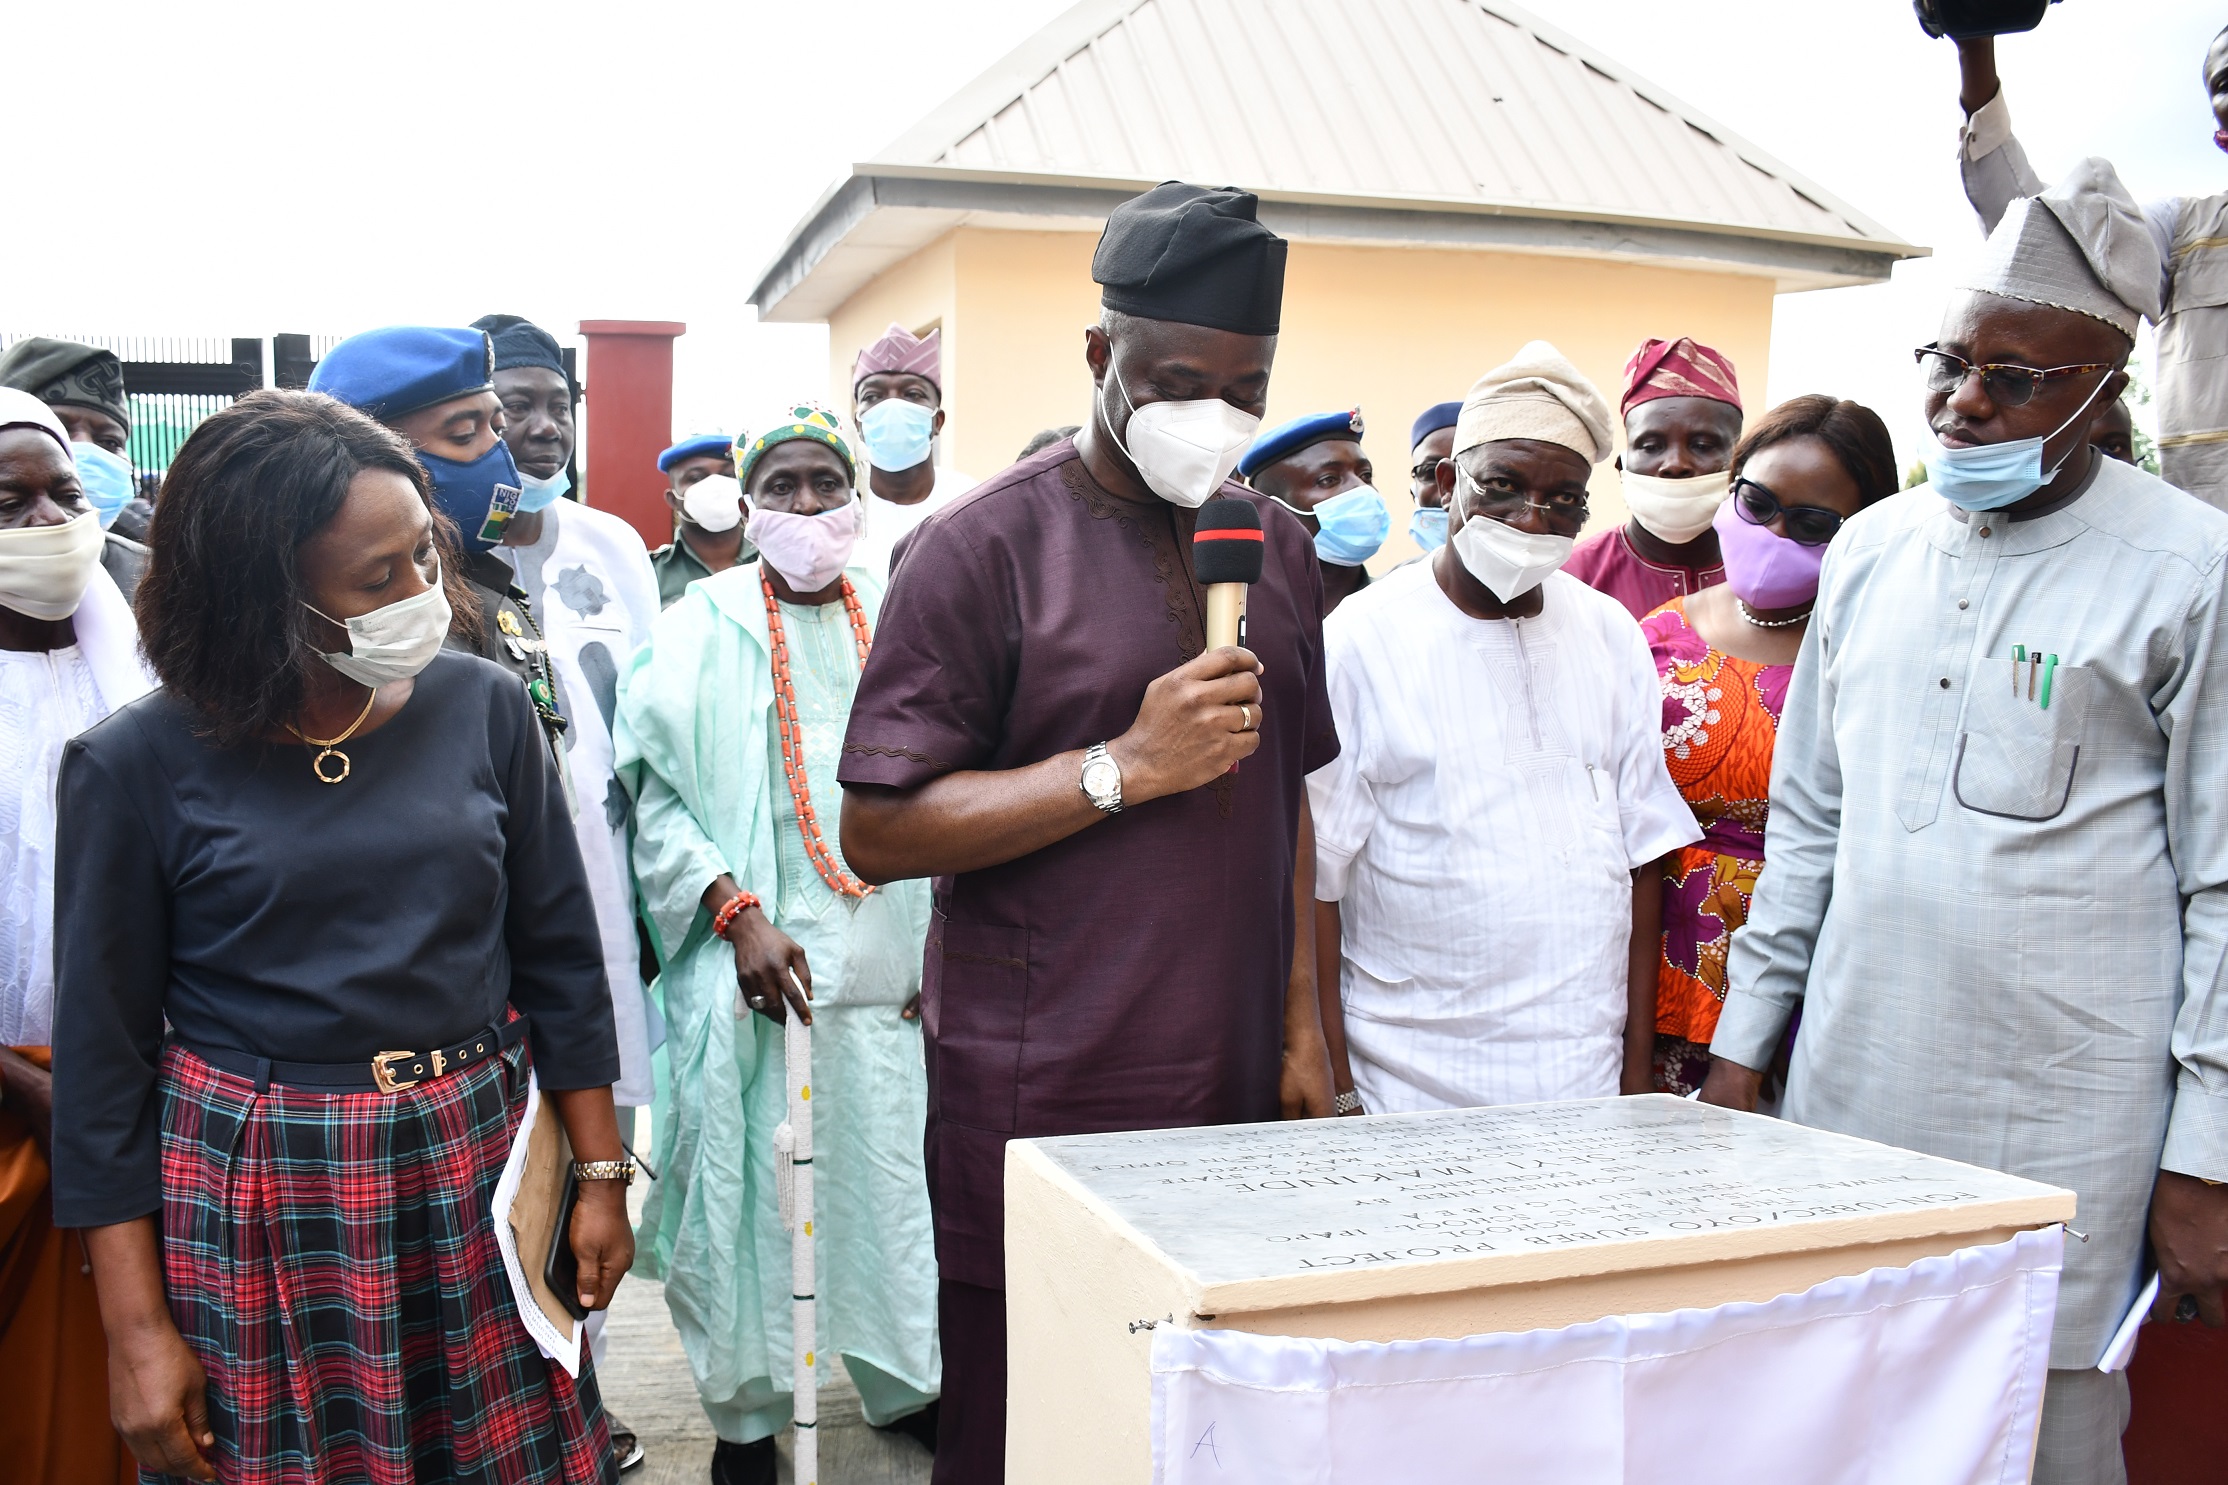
(1443, 1224)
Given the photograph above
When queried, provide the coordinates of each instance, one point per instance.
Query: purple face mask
(1765, 570)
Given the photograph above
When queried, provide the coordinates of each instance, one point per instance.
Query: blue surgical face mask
(897, 433)
(1427, 527)
(536, 493)
(1349, 527)
(480, 496)
(107, 479)
(1990, 476)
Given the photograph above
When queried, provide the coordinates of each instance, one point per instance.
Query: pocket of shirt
(2017, 760)
(982, 1004)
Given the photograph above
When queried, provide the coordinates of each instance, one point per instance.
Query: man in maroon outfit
(1042, 729)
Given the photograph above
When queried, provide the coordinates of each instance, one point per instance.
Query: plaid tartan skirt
(330, 1259)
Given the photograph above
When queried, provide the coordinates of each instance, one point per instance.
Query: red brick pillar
(628, 389)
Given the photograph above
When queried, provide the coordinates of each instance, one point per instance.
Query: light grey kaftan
(2008, 923)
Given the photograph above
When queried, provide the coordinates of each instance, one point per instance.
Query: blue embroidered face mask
(1349, 527)
(536, 493)
(107, 479)
(480, 496)
(1990, 476)
(897, 433)
(1427, 527)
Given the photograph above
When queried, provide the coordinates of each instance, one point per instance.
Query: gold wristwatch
(604, 1170)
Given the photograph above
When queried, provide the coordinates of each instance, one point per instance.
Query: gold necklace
(331, 747)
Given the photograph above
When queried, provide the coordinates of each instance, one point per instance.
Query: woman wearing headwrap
(730, 725)
(1682, 416)
(69, 655)
(1725, 656)
(325, 839)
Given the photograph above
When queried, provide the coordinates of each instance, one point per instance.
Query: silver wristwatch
(1349, 1102)
(1102, 779)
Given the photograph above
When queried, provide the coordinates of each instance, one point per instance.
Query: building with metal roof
(1456, 177)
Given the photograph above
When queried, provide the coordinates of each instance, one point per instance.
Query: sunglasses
(2007, 384)
(1810, 525)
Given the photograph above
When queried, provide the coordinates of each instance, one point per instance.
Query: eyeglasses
(1502, 498)
(2006, 383)
(1811, 525)
(1426, 472)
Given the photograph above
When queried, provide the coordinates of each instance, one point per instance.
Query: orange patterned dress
(1720, 721)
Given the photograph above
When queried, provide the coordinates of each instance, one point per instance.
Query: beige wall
(1392, 330)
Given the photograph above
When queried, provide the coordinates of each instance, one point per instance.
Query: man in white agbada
(1998, 880)
(69, 655)
(897, 403)
(1485, 842)
(731, 721)
(587, 574)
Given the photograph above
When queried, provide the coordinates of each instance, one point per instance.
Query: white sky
(290, 167)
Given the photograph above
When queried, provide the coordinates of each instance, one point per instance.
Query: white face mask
(1184, 450)
(714, 502)
(393, 643)
(1509, 562)
(44, 569)
(1675, 510)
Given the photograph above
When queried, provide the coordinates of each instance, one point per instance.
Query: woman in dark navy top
(336, 860)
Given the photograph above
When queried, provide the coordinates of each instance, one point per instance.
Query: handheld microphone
(1226, 552)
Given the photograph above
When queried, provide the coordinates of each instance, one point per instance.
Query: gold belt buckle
(383, 1073)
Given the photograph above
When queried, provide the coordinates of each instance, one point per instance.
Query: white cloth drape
(1927, 1375)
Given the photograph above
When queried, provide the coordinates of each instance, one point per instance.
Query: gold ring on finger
(1245, 717)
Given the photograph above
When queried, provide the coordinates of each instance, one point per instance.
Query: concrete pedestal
(1447, 1224)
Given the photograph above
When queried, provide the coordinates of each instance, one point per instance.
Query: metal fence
(174, 381)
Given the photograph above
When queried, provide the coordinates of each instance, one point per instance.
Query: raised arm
(1993, 163)
(1977, 81)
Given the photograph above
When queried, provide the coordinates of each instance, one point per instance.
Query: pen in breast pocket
(2049, 666)
(2018, 658)
(2034, 669)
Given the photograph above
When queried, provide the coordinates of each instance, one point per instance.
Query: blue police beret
(1432, 419)
(1289, 438)
(387, 373)
(704, 445)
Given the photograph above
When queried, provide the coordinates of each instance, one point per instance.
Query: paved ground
(645, 1381)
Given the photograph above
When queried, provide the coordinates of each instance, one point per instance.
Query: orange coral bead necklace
(839, 881)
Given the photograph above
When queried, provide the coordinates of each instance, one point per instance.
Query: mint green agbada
(699, 750)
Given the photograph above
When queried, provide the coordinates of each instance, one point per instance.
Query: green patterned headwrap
(798, 420)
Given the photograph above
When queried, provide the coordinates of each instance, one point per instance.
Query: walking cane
(793, 1185)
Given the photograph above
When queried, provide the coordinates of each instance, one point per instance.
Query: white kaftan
(593, 590)
(888, 523)
(1496, 784)
(48, 697)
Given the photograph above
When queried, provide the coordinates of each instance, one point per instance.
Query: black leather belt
(389, 1072)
